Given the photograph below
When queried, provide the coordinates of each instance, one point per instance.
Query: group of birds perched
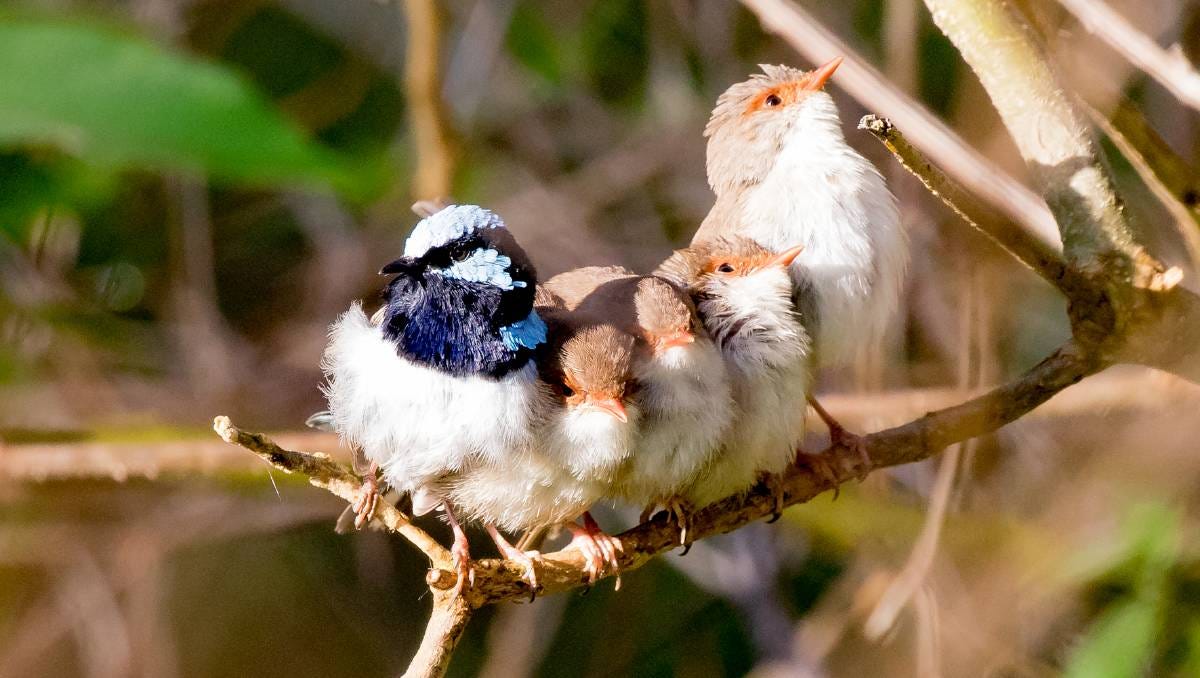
(516, 403)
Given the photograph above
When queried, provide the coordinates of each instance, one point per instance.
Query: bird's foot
(600, 551)
(647, 513)
(680, 510)
(823, 465)
(368, 498)
(774, 485)
(842, 439)
(526, 559)
(460, 551)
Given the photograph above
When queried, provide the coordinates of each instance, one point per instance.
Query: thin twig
(1042, 259)
(323, 472)
(1170, 68)
(1169, 177)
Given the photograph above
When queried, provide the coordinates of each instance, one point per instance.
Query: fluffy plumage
(683, 391)
(580, 447)
(745, 302)
(445, 379)
(785, 176)
(684, 394)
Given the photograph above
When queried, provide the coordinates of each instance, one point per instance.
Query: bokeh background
(191, 190)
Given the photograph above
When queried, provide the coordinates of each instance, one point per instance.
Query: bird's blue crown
(462, 298)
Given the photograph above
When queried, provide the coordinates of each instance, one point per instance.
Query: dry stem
(1170, 68)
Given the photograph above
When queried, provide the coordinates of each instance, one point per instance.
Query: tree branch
(324, 473)
(1041, 258)
(501, 580)
(447, 622)
(1167, 175)
(1171, 69)
(1133, 311)
(1052, 138)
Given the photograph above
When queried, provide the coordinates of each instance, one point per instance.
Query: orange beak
(675, 340)
(818, 78)
(612, 406)
(786, 257)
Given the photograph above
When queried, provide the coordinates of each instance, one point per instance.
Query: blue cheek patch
(483, 266)
(528, 333)
(452, 223)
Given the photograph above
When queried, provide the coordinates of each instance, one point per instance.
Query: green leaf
(1119, 644)
(617, 49)
(34, 185)
(115, 99)
(532, 42)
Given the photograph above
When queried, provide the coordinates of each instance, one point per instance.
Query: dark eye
(726, 268)
(567, 391)
(772, 100)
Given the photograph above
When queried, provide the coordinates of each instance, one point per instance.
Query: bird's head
(755, 119)
(714, 267)
(594, 372)
(462, 296)
(742, 290)
(470, 245)
(666, 318)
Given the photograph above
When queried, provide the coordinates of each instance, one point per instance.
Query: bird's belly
(529, 492)
(685, 413)
(841, 229)
(762, 439)
(418, 423)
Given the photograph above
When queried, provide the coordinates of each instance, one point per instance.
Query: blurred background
(192, 190)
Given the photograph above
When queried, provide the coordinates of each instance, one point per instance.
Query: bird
(784, 176)
(444, 376)
(587, 436)
(683, 390)
(744, 296)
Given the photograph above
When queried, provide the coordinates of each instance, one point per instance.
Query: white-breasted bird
(743, 295)
(683, 389)
(586, 437)
(784, 176)
(443, 377)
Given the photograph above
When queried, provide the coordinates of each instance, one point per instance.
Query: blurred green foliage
(1144, 606)
(113, 99)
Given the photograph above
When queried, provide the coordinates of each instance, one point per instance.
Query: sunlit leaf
(115, 99)
(1120, 643)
